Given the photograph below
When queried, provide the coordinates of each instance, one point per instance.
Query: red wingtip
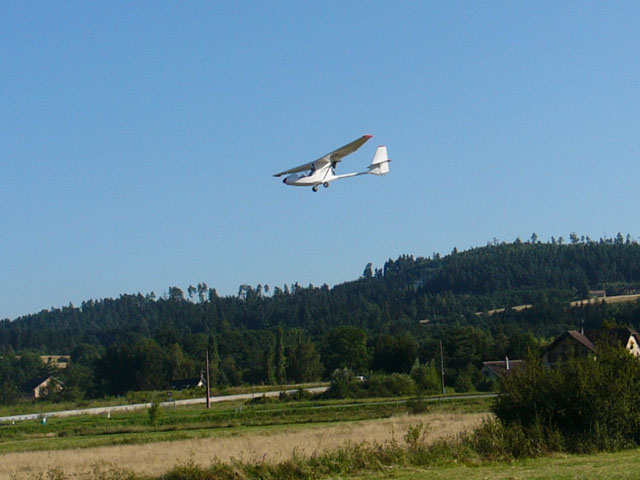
(367, 136)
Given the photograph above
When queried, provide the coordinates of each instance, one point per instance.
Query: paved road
(138, 406)
(194, 401)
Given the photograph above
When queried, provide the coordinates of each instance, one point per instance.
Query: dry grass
(517, 308)
(616, 299)
(274, 445)
(577, 303)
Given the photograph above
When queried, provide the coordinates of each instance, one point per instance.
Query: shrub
(415, 436)
(154, 413)
(494, 441)
(584, 405)
(426, 377)
(344, 384)
(299, 394)
(489, 440)
(394, 385)
(417, 405)
(463, 383)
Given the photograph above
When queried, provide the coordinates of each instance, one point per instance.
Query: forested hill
(443, 289)
(580, 266)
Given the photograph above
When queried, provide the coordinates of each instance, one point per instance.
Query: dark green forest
(389, 320)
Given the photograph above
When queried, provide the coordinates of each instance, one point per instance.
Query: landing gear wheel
(325, 184)
(314, 188)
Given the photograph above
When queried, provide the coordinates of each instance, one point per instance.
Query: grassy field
(197, 422)
(247, 432)
(128, 446)
(605, 466)
(273, 444)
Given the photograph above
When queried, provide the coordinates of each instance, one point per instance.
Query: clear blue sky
(138, 139)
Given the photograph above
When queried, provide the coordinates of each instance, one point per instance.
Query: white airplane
(322, 171)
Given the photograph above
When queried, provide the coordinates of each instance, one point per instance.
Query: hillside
(404, 291)
(383, 321)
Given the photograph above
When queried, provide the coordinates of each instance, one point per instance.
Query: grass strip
(61, 433)
(376, 462)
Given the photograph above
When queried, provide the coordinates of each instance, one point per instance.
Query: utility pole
(208, 384)
(442, 367)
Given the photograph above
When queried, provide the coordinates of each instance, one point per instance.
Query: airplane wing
(332, 157)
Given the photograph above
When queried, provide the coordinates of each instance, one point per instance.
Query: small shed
(37, 387)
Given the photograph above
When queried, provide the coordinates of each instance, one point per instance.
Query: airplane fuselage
(309, 179)
(323, 176)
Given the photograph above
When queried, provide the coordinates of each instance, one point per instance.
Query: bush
(417, 405)
(344, 384)
(154, 413)
(464, 383)
(426, 377)
(415, 436)
(299, 394)
(590, 403)
(394, 385)
(494, 441)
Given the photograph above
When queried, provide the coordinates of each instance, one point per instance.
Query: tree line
(384, 321)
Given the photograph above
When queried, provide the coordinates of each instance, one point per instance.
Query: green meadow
(197, 422)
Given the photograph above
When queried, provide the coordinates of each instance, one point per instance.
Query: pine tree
(267, 366)
(280, 360)
(214, 360)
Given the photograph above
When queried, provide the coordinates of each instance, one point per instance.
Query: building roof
(618, 335)
(576, 336)
(499, 367)
(187, 383)
(36, 382)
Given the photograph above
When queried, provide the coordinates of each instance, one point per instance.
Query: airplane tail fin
(380, 163)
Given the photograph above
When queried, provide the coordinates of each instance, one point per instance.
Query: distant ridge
(441, 289)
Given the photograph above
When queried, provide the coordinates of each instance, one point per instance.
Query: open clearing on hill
(265, 444)
(577, 303)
